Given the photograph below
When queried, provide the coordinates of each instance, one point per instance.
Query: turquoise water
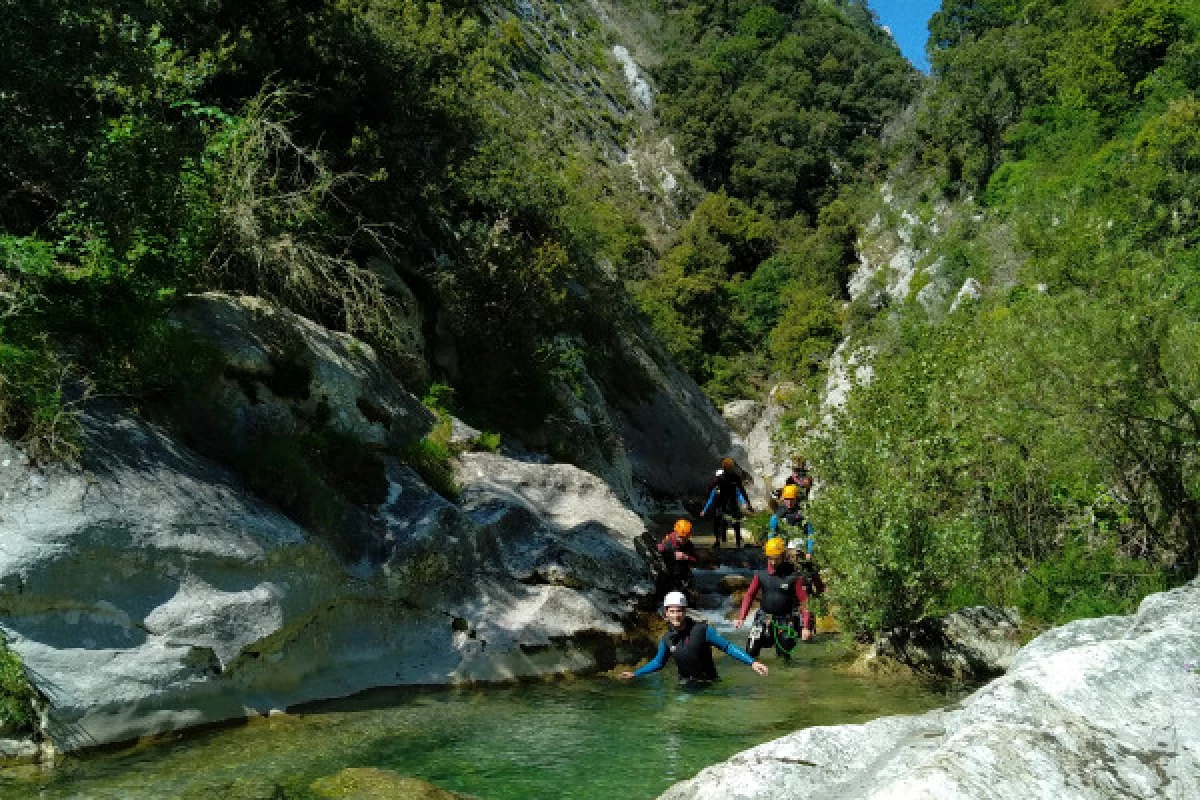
(582, 738)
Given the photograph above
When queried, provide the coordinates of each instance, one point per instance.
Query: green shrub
(1086, 580)
(487, 442)
(433, 461)
(18, 701)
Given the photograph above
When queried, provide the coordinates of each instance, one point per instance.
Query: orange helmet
(726, 463)
(683, 527)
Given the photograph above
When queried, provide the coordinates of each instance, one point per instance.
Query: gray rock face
(645, 427)
(148, 590)
(742, 415)
(758, 428)
(284, 373)
(1097, 710)
(972, 643)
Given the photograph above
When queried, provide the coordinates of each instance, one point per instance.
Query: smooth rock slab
(1096, 710)
(149, 590)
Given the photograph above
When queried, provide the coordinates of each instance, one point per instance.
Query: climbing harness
(789, 634)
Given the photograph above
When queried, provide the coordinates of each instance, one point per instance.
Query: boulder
(970, 644)
(733, 583)
(149, 590)
(766, 458)
(1103, 709)
(742, 415)
(282, 373)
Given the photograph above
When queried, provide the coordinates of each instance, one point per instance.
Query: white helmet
(674, 599)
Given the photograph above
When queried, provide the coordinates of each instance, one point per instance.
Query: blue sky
(906, 19)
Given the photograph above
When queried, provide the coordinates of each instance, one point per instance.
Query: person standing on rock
(679, 554)
(726, 498)
(784, 598)
(690, 642)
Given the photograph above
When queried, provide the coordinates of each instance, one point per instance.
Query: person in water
(726, 498)
(784, 597)
(690, 643)
(679, 554)
(788, 520)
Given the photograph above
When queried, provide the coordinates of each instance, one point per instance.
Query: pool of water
(581, 738)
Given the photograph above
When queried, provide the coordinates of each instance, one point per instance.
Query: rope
(788, 632)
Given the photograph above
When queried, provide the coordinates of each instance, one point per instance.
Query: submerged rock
(368, 783)
(1105, 709)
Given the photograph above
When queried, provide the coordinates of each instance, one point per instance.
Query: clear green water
(583, 738)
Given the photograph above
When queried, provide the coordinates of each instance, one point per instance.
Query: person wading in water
(690, 643)
(726, 496)
(783, 595)
(679, 554)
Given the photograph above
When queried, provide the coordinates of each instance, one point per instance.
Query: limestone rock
(742, 415)
(766, 458)
(643, 425)
(972, 643)
(284, 374)
(1096, 710)
(149, 590)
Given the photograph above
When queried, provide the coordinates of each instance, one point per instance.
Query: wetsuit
(726, 496)
(783, 594)
(793, 518)
(802, 480)
(691, 648)
(679, 570)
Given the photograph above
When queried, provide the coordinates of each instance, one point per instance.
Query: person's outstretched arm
(729, 648)
(653, 665)
(747, 601)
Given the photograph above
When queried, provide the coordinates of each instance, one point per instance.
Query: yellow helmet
(790, 492)
(774, 547)
(683, 528)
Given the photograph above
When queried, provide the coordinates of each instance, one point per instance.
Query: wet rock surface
(971, 644)
(1098, 709)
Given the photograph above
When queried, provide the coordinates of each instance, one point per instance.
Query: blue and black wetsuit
(792, 520)
(691, 648)
(726, 496)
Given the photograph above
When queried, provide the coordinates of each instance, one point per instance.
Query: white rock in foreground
(1096, 710)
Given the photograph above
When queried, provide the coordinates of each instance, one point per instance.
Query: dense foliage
(302, 152)
(1038, 446)
(777, 109)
